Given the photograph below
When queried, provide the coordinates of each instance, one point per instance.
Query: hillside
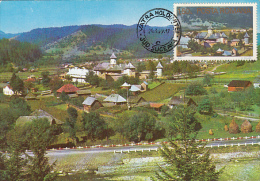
(161, 92)
(7, 35)
(82, 40)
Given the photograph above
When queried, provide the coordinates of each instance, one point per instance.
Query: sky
(23, 16)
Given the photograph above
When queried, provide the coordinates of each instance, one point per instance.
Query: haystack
(226, 127)
(211, 132)
(233, 127)
(246, 127)
(257, 128)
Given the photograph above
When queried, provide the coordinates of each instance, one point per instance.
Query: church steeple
(113, 59)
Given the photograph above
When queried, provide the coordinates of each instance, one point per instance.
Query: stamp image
(217, 31)
(156, 38)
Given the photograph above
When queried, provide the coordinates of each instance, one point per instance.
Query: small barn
(84, 93)
(38, 114)
(68, 89)
(238, 85)
(116, 99)
(91, 104)
(156, 106)
(179, 100)
(30, 96)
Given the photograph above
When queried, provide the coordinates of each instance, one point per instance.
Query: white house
(78, 74)
(7, 90)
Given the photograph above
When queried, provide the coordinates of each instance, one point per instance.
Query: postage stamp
(156, 38)
(217, 31)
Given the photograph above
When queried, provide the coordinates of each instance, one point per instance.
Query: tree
(71, 121)
(19, 107)
(64, 97)
(17, 84)
(17, 143)
(40, 135)
(45, 78)
(93, 79)
(205, 106)
(186, 160)
(142, 126)
(207, 79)
(95, 126)
(195, 89)
(164, 110)
(55, 83)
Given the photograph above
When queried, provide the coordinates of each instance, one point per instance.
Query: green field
(162, 92)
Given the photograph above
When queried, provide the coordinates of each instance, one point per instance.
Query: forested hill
(79, 40)
(7, 35)
(18, 53)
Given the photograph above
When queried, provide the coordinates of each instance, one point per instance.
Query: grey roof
(126, 85)
(220, 50)
(102, 66)
(40, 112)
(145, 82)
(113, 56)
(177, 100)
(129, 66)
(159, 65)
(25, 119)
(89, 101)
(246, 35)
(210, 28)
(227, 53)
(212, 37)
(224, 35)
(30, 96)
(134, 88)
(83, 92)
(72, 95)
(116, 98)
(201, 35)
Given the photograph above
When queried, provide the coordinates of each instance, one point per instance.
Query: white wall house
(78, 74)
(7, 90)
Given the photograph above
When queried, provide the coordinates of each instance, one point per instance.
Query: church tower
(246, 38)
(113, 60)
(210, 31)
(159, 68)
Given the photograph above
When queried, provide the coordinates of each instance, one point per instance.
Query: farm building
(68, 89)
(156, 106)
(91, 104)
(238, 85)
(116, 99)
(38, 114)
(179, 100)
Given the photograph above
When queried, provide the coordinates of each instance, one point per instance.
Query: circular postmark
(155, 37)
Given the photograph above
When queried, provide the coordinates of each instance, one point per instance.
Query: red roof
(156, 105)
(68, 88)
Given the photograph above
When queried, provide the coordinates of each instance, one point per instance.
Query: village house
(38, 114)
(156, 106)
(180, 100)
(238, 85)
(91, 104)
(84, 93)
(8, 90)
(30, 96)
(136, 100)
(78, 74)
(68, 89)
(115, 99)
